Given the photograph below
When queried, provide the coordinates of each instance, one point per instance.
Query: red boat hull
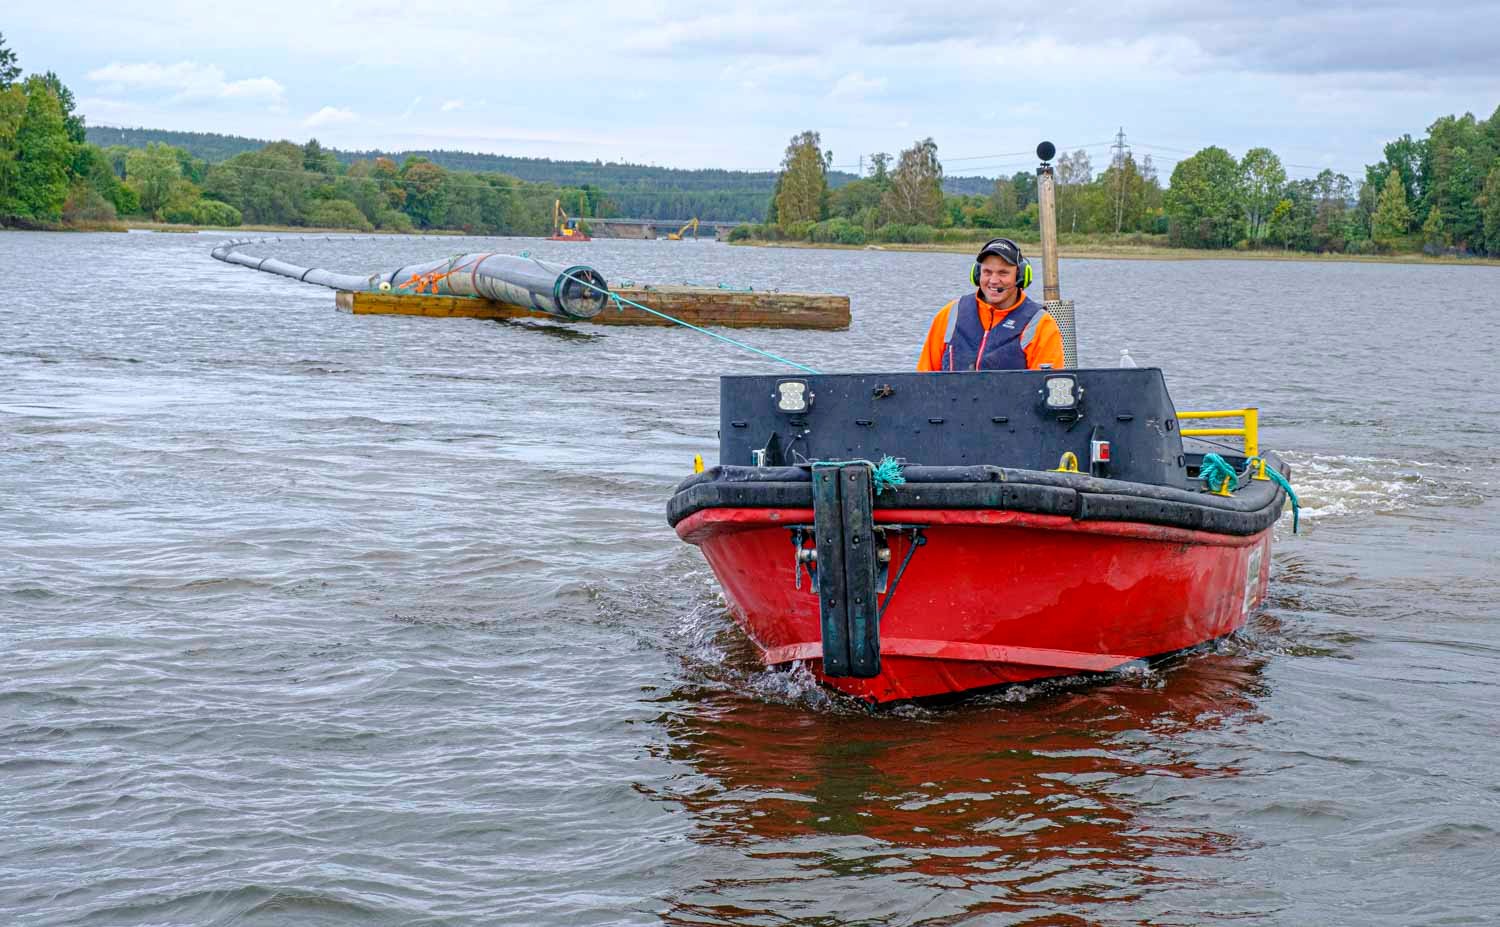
(994, 597)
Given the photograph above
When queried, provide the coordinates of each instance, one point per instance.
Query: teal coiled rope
(618, 300)
(1216, 472)
(884, 475)
(1281, 481)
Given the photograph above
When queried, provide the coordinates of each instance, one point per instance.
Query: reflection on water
(1054, 798)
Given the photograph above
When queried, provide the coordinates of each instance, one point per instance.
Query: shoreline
(1147, 253)
(169, 228)
(1084, 252)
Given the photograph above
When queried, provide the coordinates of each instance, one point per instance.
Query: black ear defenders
(1010, 252)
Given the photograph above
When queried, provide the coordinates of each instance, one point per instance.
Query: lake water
(319, 619)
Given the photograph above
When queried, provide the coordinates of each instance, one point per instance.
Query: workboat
(915, 535)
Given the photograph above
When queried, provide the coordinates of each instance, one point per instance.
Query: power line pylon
(1120, 149)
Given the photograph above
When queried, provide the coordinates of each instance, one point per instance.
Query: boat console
(1116, 423)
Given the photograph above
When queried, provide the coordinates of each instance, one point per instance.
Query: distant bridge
(655, 228)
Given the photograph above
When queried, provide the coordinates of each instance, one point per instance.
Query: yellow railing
(1249, 430)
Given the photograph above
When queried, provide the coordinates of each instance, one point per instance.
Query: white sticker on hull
(1252, 576)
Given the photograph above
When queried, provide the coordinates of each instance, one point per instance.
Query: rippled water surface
(319, 619)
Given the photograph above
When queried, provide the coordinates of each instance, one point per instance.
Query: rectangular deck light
(793, 396)
(1062, 393)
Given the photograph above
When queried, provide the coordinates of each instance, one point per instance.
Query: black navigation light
(793, 397)
(1046, 150)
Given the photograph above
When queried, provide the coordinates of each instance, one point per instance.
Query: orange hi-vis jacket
(1045, 348)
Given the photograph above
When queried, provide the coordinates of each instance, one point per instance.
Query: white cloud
(452, 105)
(188, 80)
(856, 86)
(330, 115)
(186, 77)
(254, 88)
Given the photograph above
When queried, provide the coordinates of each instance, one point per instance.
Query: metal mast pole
(1060, 309)
(1046, 199)
(1119, 149)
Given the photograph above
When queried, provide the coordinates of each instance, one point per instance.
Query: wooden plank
(698, 305)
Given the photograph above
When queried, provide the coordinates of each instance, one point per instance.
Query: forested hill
(214, 148)
(210, 146)
(968, 186)
(615, 178)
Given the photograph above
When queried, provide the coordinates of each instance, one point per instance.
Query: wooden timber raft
(705, 306)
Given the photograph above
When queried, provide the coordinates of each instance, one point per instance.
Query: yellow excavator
(691, 226)
(565, 228)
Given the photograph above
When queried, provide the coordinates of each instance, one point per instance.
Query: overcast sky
(725, 85)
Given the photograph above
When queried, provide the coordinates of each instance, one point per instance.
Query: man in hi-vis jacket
(996, 327)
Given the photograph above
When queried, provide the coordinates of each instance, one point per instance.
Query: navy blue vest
(1003, 344)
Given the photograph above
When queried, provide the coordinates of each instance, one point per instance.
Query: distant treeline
(631, 190)
(1439, 194)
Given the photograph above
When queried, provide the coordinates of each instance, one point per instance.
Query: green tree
(803, 185)
(115, 155)
(1279, 222)
(1201, 200)
(426, 192)
(1261, 180)
(182, 199)
(1122, 198)
(86, 204)
(10, 69)
(1392, 214)
(1434, 235)
(337, 214)
(92, 166)
(388, 176)
(359, 187)
(194, 169)
(74, 122)
(1004, 203)
(150, 172)
(1366, 203)
(853, 199)
(43, 154)
(213, 212)
(1074, 172)
(1332, 215)
(1025, 184)
(915, 196)
(1405, 156)
(268, 187)
(12, 114)
(1491, 206)
(1315, 215)
(318, 161)
(1457, 158)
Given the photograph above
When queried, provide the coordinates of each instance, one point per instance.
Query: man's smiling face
(997, 281)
